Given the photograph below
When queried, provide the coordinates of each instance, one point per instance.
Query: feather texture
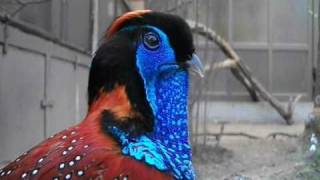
(83, 151)
(137, 122)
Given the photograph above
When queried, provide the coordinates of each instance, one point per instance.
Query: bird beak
(195, 65)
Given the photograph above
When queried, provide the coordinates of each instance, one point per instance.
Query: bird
(136, 125)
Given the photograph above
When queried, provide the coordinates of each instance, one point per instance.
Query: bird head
(148, 54)
(140, 49)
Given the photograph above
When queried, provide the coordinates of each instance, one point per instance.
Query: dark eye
(151, 40)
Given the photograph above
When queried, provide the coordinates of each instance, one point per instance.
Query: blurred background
(46, 48)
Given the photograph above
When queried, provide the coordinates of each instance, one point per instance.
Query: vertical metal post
(63, 20)
(136, 4)
(315, 120)
(198, 103)
(45, 95)
(177, 7)
(311, 47)
(115, 9)
(317, 80)
(94, 24)
(46, 102)
(230, 39)
(77, 90)
(207, 80)
(147, 4)
(230, 21)
(270, 45)
(5, 37)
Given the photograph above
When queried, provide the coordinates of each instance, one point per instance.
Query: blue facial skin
(167, 148)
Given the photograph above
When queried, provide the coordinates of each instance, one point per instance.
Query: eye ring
(151, 40)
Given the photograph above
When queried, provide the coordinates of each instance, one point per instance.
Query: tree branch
(228, 134)
(244, 75)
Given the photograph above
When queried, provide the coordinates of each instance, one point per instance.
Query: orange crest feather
(116, 25)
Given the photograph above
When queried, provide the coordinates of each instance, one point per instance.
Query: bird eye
(151, 40)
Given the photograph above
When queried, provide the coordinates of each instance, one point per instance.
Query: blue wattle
(167, 147)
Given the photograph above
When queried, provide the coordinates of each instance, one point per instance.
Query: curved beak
(195, 65)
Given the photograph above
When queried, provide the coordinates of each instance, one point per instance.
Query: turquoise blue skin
(167, 148)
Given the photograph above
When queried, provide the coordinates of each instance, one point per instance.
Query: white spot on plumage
(64, 152)
(125, 178)
(71, 163)
(55, 178)
(35, 172)
(9, 172)
(73, 133)
(68, 176)
(77, 158)
(2, 173)
(70, 148)
(61, 165)
(86, 146)
(64, 137)
(24, 175)
(74, 141)
(17, 160)
(80, 173)
(40, 160)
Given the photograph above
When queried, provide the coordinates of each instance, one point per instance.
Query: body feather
(137, 122)
(84, 151)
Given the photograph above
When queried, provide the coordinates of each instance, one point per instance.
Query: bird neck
(168, 97)
(167, 147)
(171, 116)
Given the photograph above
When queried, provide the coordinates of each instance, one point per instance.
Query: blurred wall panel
(21, 90)
(43, 87)
(62, 93)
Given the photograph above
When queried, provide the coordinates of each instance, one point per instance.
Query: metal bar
(317, 83)
(70, 61)
(265, 46)
(200, 90)
(94, 24)
(270, 46)
(230, 21)
(125, 4)
(77, 90)
(176, 5)
(45, 94)
(40, 33)
(311, 49)
(206, 88)
(147, 4)
(230, 39)
(115, 9)
(43, 54)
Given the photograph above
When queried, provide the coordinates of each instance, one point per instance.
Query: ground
(241, 158)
